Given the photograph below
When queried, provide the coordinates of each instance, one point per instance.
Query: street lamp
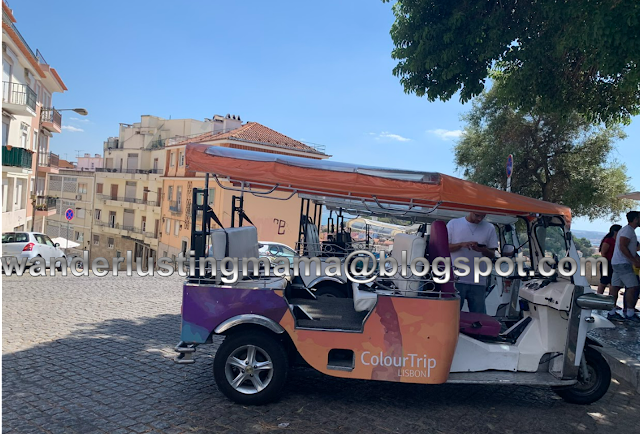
(80, 111)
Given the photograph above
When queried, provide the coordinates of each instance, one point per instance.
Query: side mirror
(508, 250)
(57, 244)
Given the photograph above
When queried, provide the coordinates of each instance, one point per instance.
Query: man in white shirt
(472, 237)
(625, 257)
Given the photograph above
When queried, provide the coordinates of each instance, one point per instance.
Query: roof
(635, 195)
(255, 133)
(64, 164)
(364, 183)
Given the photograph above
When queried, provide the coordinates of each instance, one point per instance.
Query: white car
(30, 245)
(275, 251)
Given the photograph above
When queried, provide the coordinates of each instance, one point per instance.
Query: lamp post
(80, 111)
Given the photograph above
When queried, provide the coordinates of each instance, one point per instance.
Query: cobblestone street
(93, 354)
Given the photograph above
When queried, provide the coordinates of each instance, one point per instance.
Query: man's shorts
(623, 276)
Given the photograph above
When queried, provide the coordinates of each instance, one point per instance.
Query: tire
(330, 291)
(266, 349)
(592, 390)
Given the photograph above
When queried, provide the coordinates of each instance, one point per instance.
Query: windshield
(12, 237)
(552, 241)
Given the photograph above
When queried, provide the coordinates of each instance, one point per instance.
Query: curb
(623, 366)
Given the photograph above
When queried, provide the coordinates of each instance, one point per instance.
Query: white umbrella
(63, 242)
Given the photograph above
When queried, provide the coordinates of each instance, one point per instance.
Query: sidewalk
(621, 348)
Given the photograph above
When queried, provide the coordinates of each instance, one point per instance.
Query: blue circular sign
(68, 214)
(509, 165)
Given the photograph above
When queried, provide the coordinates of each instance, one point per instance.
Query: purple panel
(206, 307)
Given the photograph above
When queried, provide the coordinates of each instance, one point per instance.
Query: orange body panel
(407, 340)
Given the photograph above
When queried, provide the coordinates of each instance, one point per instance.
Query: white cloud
(72, 129)
(387, 135)
(79, 120)
(447, 134)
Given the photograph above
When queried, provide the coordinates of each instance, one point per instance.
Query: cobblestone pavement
(92, 355)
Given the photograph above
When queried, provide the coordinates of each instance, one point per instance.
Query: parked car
(275, 251)
(30, 245)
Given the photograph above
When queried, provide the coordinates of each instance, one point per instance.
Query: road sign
(509, 165)
(68, 214)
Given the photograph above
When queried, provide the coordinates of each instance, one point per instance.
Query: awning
(305, 175)
(635, 195)
(63, 243)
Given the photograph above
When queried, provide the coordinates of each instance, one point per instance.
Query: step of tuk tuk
(503, 377)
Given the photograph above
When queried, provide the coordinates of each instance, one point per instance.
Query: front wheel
(590, 389)
(251, 367)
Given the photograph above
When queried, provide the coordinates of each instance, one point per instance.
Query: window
(110, 243)
(99, 188)
(96, 240)
(167, 228)
(172, 159)
(112, 219)
(181, 160)
(212, 195)
(184, 248)
(34, 141)
(179, 197)
(170, 198)
(97, 213)
(5, 131)
(82, 188)
(176, 228)
(79, 236)
(80, 213)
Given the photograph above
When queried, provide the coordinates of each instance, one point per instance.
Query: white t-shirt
(618, 257)
(460, 231)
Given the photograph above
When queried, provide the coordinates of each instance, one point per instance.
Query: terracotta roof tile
(253, 132)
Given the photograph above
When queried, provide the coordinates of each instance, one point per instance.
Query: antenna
(78, 153)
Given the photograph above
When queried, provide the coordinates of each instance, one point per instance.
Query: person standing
(607, 246)
(625, 257)
(471, 237)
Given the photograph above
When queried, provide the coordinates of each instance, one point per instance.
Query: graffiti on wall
(281, 225)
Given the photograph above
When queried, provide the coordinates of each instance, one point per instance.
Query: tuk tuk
(401, 327)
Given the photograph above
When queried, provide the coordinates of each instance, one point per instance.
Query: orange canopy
(305, 175)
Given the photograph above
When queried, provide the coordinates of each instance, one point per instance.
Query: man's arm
(457, 246)
(624, 248)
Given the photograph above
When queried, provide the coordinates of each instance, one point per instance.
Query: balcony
(130, 200)
(136, 171)
(175, 207)
(16, 157)
(50, 163)
(18, 99)
(46, 206)
(52, 120)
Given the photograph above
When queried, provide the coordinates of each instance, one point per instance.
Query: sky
(319, 72)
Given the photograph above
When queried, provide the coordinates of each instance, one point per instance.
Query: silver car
(30, 245)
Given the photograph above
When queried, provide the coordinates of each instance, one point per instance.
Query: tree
(560, 159)
(572, 56)
(584, 245)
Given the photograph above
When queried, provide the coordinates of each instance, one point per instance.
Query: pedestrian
(471, 237)
(607, 246)
(625, 257)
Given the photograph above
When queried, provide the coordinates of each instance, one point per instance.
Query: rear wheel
(590, 389)
(330, 291)
(251, 367)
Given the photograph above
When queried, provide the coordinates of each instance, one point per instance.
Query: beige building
(28, 122)
(73, 189)
(127, 204)
(275, 220)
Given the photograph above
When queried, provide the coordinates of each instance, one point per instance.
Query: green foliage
(557, 158)
(584, 245)
(566, 56)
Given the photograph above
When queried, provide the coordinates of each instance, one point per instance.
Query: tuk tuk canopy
(383, 185)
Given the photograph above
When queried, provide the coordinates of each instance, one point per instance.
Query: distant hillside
(592, 236)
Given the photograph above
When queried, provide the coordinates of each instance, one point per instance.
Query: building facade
(89, 163)
(28, 123)
(73, 189)
(276, 220)
(128, 193)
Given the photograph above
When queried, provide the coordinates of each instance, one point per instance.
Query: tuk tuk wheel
(250, 367)
(591, 389)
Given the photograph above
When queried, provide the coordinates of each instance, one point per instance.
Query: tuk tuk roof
(383, 185)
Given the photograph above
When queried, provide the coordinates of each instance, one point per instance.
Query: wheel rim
(249, 369)
(586, 385)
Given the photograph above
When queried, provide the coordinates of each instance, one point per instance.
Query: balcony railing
(18, 94)
(53, 160)
(46, 203)
(6, 20)
(16, 157)
(138, 171)
(128, 199)
(128, 228)
(175, 206)
(53, 116)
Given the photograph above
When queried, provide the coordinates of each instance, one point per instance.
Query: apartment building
(87, 162)
(275, 220)
(73, 189)
(28, 123)
(128, 192)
